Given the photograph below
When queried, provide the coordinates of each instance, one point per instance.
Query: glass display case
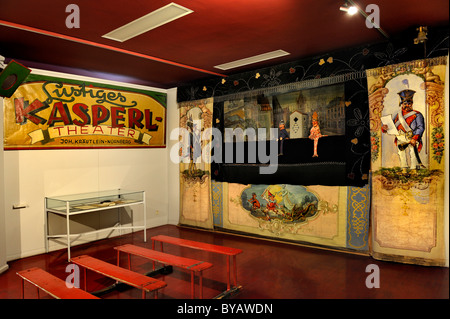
(76, 204)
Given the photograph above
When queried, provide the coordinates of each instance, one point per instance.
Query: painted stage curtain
(195, 176)
(328, 216)
(407, 115)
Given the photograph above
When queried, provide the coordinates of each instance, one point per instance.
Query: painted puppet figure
(314, 133)
(195, 149)
(282, 135)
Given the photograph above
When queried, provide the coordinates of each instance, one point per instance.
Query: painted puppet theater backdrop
(195, 176)
(307, 199)
(314, 120)
(327, 200)
(407, 115)
(47, 113)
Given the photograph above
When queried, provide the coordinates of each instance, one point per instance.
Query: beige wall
(31, 175)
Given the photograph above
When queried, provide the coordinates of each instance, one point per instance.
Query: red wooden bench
(52, 285)
(228, 251)
(185, 263)
(134, 279)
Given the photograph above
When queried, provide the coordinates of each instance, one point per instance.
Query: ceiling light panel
(148, 22)
(253, 59)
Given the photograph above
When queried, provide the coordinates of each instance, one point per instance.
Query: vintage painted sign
(48, 112)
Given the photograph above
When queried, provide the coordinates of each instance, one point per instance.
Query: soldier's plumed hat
(406, 96)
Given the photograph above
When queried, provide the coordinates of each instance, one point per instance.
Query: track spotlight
(351, 10)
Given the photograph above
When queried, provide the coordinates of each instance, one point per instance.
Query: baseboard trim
(4, 268)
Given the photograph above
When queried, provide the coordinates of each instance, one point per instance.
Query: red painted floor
(266, 270)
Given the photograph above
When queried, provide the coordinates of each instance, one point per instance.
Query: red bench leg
(153, 245)
(22, 290)
(129, 259)
(235, 270)
(228, 272)
(201, 284)
(85, 279)
(192, 285)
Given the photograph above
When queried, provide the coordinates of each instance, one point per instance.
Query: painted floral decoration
(375, 145)
(437, 137)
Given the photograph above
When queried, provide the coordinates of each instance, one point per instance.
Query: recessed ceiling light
(148, 22)
(253, 59)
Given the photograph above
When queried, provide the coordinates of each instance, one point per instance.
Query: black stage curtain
(296, 166)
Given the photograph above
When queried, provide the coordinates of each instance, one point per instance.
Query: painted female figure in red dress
(314, 133)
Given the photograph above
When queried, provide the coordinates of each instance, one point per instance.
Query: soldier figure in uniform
(411, 126)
